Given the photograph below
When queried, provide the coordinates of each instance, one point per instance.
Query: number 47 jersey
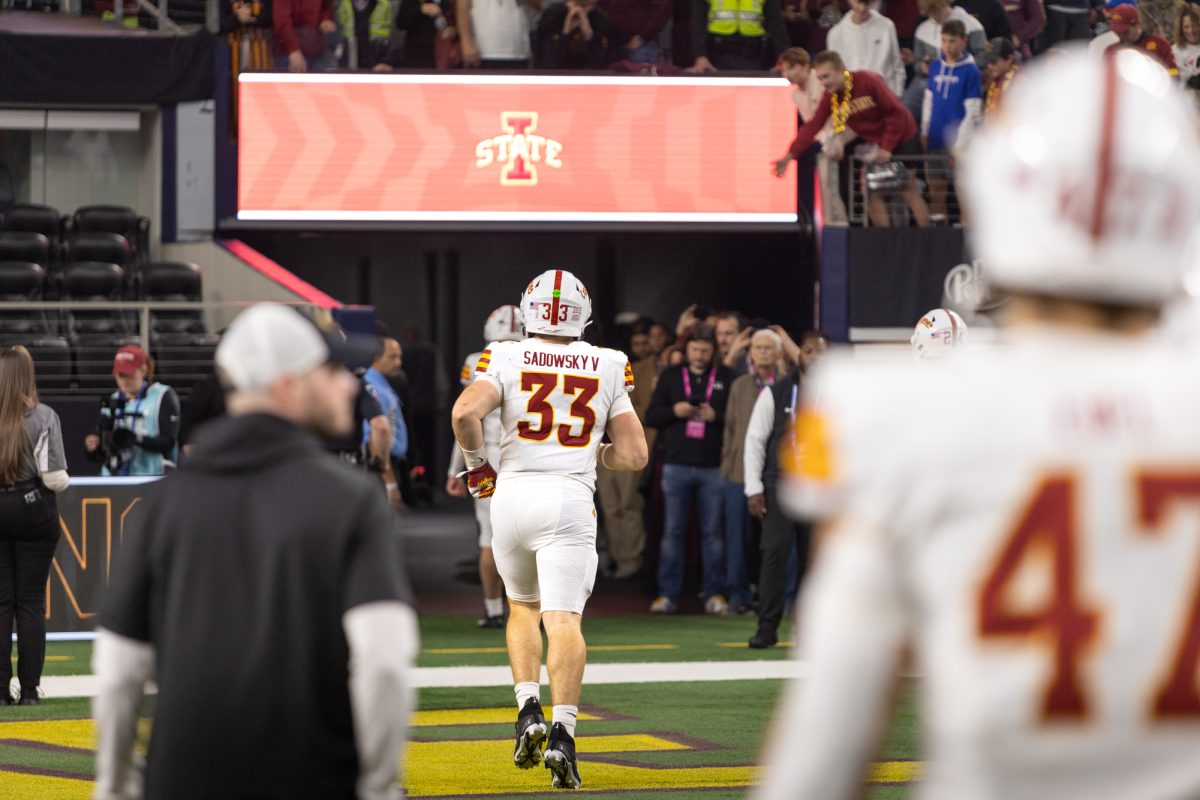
(555, 402)
(1027, 517)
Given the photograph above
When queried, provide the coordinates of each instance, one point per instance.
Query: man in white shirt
(866, 39)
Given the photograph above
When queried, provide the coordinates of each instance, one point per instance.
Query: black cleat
(763, 639)
(560, 759)
(531, 733)
(492, 622)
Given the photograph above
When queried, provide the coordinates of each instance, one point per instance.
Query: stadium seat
(95, 335)
(174, 282)
(22, 282)
(111, 248)
(32, 219)
(114, 219)
(25, 246)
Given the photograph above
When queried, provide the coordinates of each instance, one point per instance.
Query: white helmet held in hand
(937, 334)
(556, 303)
(504, 325)
(1086, 184)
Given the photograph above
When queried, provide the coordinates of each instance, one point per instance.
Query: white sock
(566, 715)
(525, 691)
(494, 607)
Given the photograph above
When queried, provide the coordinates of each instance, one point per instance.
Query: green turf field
(636, 741)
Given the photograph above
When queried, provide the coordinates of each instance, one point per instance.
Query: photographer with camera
(138, 429)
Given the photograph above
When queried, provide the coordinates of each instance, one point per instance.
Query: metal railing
(934, 179)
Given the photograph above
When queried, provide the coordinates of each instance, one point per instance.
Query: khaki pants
(622, 504)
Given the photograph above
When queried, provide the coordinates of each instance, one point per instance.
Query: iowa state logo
(518, 150)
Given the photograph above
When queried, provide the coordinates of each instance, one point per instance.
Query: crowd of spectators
(709, 487)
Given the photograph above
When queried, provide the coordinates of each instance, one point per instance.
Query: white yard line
(443, 677)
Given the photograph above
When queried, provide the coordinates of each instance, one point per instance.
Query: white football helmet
(937, 334)
(1087, 183)
(504, 325)
(556, 303)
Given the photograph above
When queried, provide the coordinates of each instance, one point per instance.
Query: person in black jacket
(688, 407)
(573, 35)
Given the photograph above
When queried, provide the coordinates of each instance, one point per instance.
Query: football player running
(502, 325)
(1027, 520)
(557, 397)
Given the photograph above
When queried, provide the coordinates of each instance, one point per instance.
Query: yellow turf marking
(18, 786)
(51, 658)
(894, 772)
(743, 644)
(64, 732)
(602, 648)
(485, 767)
(475, 716)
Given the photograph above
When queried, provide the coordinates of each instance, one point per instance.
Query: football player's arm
(628, 451)
(828, 726)
(476, 402)
(122, 666)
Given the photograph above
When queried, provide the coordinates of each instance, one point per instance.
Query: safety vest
(380, 24)
(729, 17)
(142, 411)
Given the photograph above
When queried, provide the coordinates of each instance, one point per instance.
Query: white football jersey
(1027, 517)
(555, 402)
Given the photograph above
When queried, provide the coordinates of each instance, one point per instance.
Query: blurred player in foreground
(502, 325)
(1027, 519)
(557, 397)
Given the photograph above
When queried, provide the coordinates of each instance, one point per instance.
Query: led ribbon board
(466, 147)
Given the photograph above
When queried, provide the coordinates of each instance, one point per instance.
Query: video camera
(117, 437)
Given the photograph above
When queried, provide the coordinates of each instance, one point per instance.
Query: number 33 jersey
(555, 402)
(1027, 517)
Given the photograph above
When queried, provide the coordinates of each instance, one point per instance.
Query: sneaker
(716, 605)
(662, 605)
(531, 732)
(491, 622)
(763, 639)
(560, 759)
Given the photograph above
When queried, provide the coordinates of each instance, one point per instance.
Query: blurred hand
(780, 166)
(455, 487)
(470, 54)
(481, 481)
(431, 10)
(758, 505)
(883, 156)
(382, 67)
(327, 26)
(684, 410)
(906, 55)
(296, 62)
(634, 43)
(686, 320)
(91, 442)
(394, 499)
(707, 413)
(702, 64)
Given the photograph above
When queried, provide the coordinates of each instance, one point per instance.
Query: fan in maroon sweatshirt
(875, 115)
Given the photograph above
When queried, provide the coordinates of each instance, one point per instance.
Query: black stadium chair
(182, 347)
(95, 335)
(32, 219)
(25, 246)
(22, 282)
(113, 219)
(111, 248)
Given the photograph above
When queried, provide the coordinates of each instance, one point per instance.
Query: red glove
(481, 481)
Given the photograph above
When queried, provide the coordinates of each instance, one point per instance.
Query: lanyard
(765, 382)
(687, 383)
(795, 394)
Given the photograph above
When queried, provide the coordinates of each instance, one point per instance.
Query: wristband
(390, 486)
(474, 457)
(604, 448)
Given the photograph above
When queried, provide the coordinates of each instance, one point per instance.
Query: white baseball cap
(269, 340)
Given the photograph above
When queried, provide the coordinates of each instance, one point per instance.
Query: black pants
(29, 534)
(778, 534)
(1062, 27)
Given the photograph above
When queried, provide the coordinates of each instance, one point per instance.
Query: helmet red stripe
(1108, 124)
(554, 302)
